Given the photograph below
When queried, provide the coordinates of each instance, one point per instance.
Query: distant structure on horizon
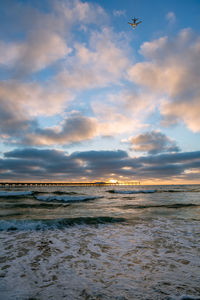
(100, 183)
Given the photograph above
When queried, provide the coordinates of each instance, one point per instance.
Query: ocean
(100, 242)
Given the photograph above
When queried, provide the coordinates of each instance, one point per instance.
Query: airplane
(135, 23)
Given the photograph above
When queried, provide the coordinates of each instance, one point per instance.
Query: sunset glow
(112, 181)
(99, 149)
(84, 97)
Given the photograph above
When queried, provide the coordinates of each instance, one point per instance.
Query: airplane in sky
(135, 23)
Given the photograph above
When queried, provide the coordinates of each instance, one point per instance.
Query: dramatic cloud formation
(90, 165)
(153, 143)
(100, 62)
(172, 70)
(71, 76)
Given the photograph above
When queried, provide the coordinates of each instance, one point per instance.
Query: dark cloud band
(35, 164)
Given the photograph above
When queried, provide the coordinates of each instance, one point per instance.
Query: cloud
(48, 164)
(9, 53)
(13, 119)
(172, 71)
(41, 43)
(171, 17)
(119, 13)
(21, 103)
(33, 153)
(100, 155)
(45, 38)
(45, 34)
(57, 62)
(40, 50)
(114, 122)
(153, 142)
(102, 63)
(18, 126)
(124, 111)
(33, 98)
(75, 128)
(84, 12)
(34, 163)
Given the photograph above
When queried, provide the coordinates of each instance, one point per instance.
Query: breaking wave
(184, 297)
(150, 191)
(59, 196)
(56, 193)
(132, 191)
(67, 198)
(13, 225)
(15, 193)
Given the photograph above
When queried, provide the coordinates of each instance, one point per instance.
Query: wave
(175, 205)
(184, 297)
(11, 215)
(56, 193)
(32, 205)
(66, 193)
(13, 225)
(32, 193)
(60, 196)
(150, 191)
(67, 198)
(177, 191)
(6, 194)
(132, 191)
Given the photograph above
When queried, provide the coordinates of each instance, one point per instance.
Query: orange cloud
(171, 71)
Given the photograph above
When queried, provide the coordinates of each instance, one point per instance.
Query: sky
(84, 97)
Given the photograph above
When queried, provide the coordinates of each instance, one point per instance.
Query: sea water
(100, 242)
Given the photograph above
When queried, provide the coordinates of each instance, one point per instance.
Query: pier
(22, 184)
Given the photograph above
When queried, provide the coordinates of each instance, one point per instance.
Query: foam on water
(56, 245)
(153, 260)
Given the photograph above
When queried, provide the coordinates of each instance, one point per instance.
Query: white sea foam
(99, 249)
(153, 260)
(66, 198)
(15, 193)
